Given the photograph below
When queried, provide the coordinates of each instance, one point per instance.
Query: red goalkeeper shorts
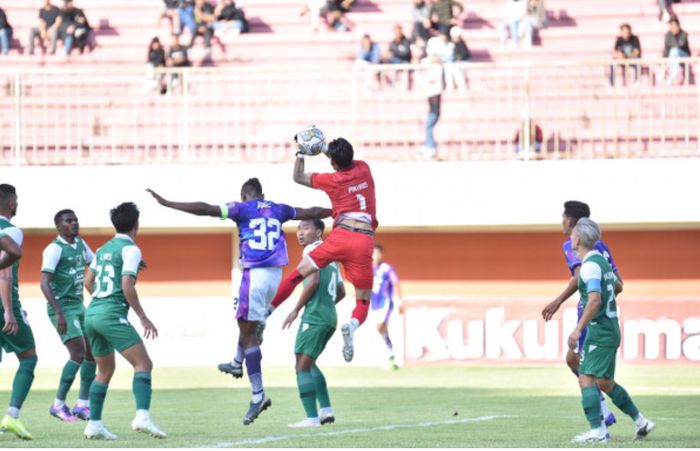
(353, 250)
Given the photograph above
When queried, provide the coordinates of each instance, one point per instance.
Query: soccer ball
(311, 140)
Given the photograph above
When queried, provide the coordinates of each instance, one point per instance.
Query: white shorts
(257, 287)
(383, 313)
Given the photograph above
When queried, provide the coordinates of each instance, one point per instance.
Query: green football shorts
(23, 340)
(598, 361)
(107, 331)
(312, 339)
(75, 320)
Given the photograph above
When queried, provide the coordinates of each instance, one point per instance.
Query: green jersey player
(322, 290)
(62, 278)
(112, 283)
(16, 335)
(597, 286)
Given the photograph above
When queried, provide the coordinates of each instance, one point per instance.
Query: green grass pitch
(458, 406)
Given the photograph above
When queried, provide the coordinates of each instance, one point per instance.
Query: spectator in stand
(442, 14)
(676, 47)
(335, 11)
(514, 12)
(369, 51)
(461, 51)
(421, 21)
(314, 9)
(229, 18)
(171, 12)
(156, 59)
(535, 19)
(204, 18)
(47, 30)
(66, 26)
(665, 10)
(626, 47)
(454, 73)
(534, 136)
(177, 57)
(400, 48)
(81, 31)
(433, 85)
(5, 33)
(186, 12)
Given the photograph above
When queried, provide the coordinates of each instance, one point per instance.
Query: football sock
(286, 287)
(387, 342)
(360, 311)
(622, 400)
(253, 360)
(591, 405)
(604, 410)
(240, 355)
(70, 369)
(87, 375)
(13, 412)
(307, 393)
(98, 393)
(324, 399)
(141, 386)
(23, 381)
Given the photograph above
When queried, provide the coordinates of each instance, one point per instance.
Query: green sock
(622, 400)
(70, 369)
(590, 400)
(23, 381)
(307, 393)
(87, 375)
(98, 393)
(141, 386)
(324, 399)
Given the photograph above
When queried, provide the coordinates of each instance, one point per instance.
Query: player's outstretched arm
(310, 288)
(132, 298)
(195, 208)
(312, 213)
(12, 252)
(300, 176)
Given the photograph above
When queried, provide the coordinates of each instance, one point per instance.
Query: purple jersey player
(573, 211)
(386, 292)
(263, 252)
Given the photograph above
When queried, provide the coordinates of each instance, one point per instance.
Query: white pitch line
(388, 427)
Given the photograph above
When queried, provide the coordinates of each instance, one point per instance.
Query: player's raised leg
(623, 401)
(253, 364)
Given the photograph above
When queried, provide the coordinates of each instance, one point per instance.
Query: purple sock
(387, 341)
(253, 359)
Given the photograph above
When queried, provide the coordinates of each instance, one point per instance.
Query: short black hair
(252, 186)
(379, 247)
(124, 217)
(674, 20)
(58, 216)
(626, 25)
(341, 152)
(319, 224)
(6, 190)
(576, 210)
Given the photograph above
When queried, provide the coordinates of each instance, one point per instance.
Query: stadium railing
(117, 115)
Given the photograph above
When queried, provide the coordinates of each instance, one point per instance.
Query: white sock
(59, 403)
(326, 411)
(13, 412)
(602, 430)
(604, 406)
(257, 397)
(142, 415)
(96, 423)
(640, 421)
(82, 403)
(354, 324)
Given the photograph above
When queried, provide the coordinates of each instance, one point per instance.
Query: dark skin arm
(312, 213)
(340, 294)
(89, 281)
(194, 208)
(310, 288)
(61, 324)
(12, 252)
(551, 308)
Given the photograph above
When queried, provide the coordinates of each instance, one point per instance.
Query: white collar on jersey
(123, 236)
(60, 238)
(5, 218)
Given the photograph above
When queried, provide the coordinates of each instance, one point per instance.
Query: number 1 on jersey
(362, 200)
